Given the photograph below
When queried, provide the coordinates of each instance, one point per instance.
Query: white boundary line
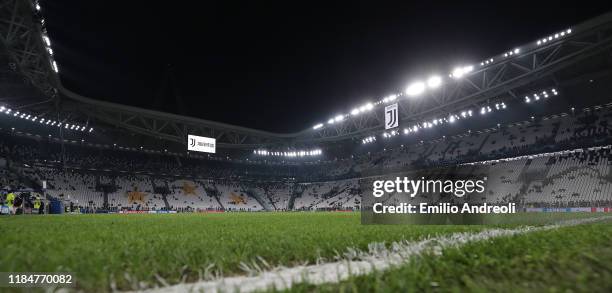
(355, 262)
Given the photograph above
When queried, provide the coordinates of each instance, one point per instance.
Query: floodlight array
(419, 87)
(540, 95)
(554, 37)
(288, 154)
(459, 72)
(486, 62)
(513, 52)
(446, 119)
(391, 133)
(43, 121)
(368, 139)
(45, 38)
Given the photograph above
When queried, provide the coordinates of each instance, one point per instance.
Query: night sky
(281, 66)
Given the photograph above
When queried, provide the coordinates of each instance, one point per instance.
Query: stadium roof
(492, 80)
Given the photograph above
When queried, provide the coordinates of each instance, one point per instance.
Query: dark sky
(281, 66)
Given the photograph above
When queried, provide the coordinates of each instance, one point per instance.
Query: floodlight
(415, 89)
(434, 81)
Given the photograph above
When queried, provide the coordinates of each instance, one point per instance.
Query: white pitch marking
(378, 258)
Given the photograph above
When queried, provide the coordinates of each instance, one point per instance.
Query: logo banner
(391, 116)
(201, 144)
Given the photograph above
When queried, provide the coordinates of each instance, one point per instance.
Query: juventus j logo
(192, 142)
(391, 116)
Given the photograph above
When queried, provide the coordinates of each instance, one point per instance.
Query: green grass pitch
(118, 249)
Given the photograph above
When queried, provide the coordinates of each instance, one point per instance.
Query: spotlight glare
(415, 89)
(434, 81)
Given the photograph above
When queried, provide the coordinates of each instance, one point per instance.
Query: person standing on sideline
(10, 199)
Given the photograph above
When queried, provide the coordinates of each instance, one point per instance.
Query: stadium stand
(115, 179)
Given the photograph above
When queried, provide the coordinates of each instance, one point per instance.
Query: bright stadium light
(458, 72)
(434, 81)
(415, 89)
(355, 112)
(366, 107)
(339, 118)
(47, 40)
(390, 98)
(317, 126)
